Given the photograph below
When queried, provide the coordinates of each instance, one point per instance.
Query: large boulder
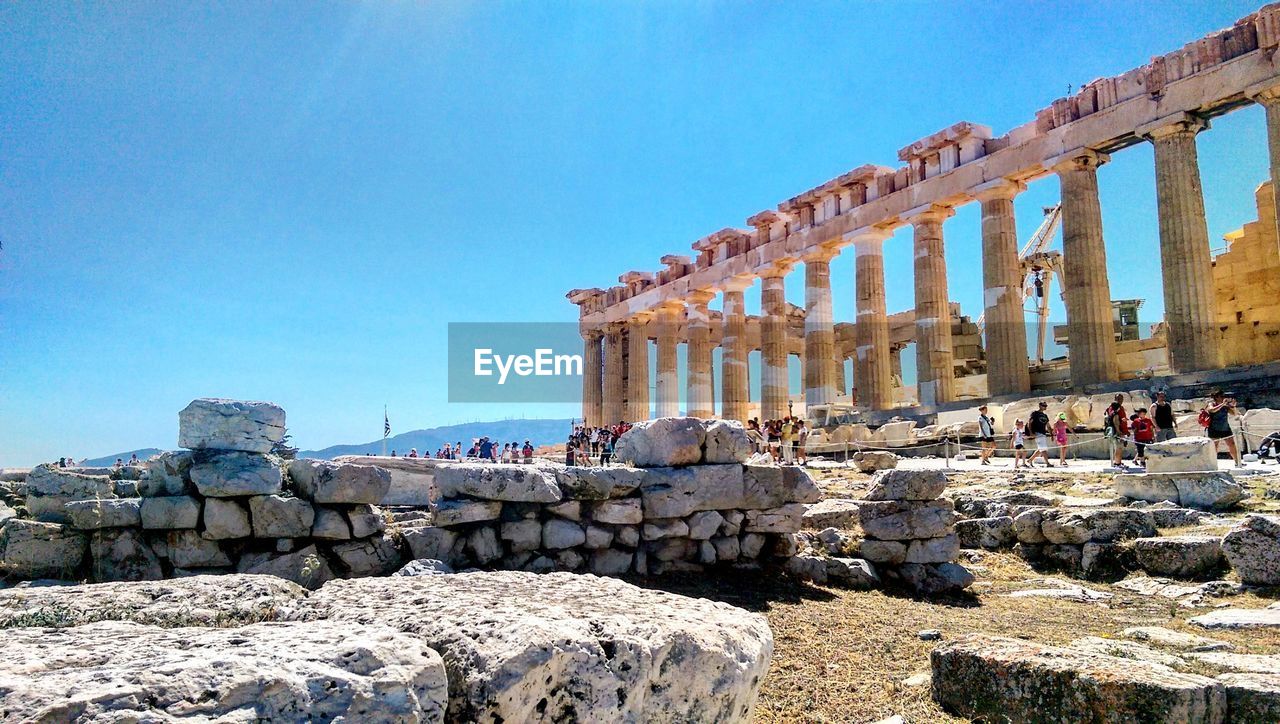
(664, 442)
(49, 489)
(1099, 525)
(1003, 679)
(33, 549)
(321, 481)
(498, 481)
(226, 520)
(233, 474)
(317, 671)
(216, 424)
(906, 519)
(172, 512)
(988, 533)
(1214, 490)
(598, 483)
(523, 647)
(1252, 548)
(121, 554)
(1182, 455)
(677, 492)
(726, 442)
(769, 486)
(276, 516)
(168, 473)
(111, 513)
(305, 567)
(907, 485)
(1179, 556)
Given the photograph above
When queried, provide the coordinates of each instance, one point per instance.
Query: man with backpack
(1116, 428)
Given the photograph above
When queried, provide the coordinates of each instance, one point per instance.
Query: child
(1019, 439)
(1060, 437)
(1144, 433)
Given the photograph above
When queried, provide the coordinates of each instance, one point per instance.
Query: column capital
(670, 306)
(739, 283)
(641, 317)
(614, 327)
(928, 214)
(820, 254)
(700, 297)
(1001, 188)
(1268, 94)
(1176, 124)
(868, 236)
(776, 270)
(1080, 159)
(591, 333)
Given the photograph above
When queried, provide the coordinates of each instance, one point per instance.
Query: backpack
(1204, 419)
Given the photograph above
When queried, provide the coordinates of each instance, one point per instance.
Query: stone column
(871, 369)
(638, 367)
(1190, 311)
(592, 378)
(935, 371)
(773, 343)
(819, 330)
(611, 407)
(735, 394)
(842, 385)
(668, 384)
(1270, 100)
(1006, 325)
(698, 402)
(1090, 332)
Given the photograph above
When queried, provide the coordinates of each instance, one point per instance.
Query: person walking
(1060, 437)
(802, 439)
(986, 435)
(1162, 417)
(788, 434)
(1116, 429)
(1144, 433)
(1219, 430)
(1039, 426)
(1018, 438)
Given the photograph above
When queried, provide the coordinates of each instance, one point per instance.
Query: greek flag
(386, 424)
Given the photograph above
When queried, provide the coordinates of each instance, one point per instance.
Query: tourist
(1115, 428)
(569, 457)
(119, 464)
(393, 453)
(1144, 433)
(413, 452)
(62, 462)
(1269, 446)
(802, 440)
(986, 435)
(1060, 437)
(774, 438)
(457, 451)
(753, 434)
(1162, 416)
(1039, 426)
(1018, 438)
(486, 449)
(1219, 429)
(606, 450)
(133, 459)
(787, 435)
(528, 452)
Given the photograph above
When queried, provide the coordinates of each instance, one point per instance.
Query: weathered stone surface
(1179, 556)
(111, 513)
(225, 519)
(413, 480)
(329, 524)
(988, 533)
(558, 534)
(664, 442)
(883, 551)
(931, 579)
(1100, 525)
(275, 516)
(905, 520)
(304, 567)
(571, 509)
(431, 542)
(322, 481)
(523, 535)
(168, 473)
(1026, 526)
(1216, 490)
(610, 562)
(703, 525)
(783, 519)
(1143, 486)
(121, 554)
(1226, 662)
(49, 489)
(1252, 548)
(933, 550)
(870, 461)
(424, 567)
(482, 545)
(268, 672)
(1252, 697)
(498, 481)
(1172, 517)
(727, 548)
(627, 511)
(598, 483)
(1106, 561)
(366, 521)
(233, 474)
(598, 537)
(1238, 618)
(1182, 455)
(170, 513)
(460, 512)
(907, 485)
(376, 556)
(726, 442)
(981, 676)
(1126, 650)
(750, 545)
(770, 486)
(218, 424)
(1176, 640)
(658, 529)
(34, 549)
(895, 434)
(677, 492)
(831, 513)
(568, 646)
(194, 601)
(188, 550)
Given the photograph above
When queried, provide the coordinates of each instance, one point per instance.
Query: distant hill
(109, 460)
(539, 432)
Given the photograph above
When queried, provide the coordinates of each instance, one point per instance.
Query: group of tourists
(784, 439)
(593, 445)
(1121, 428)
(481, 449)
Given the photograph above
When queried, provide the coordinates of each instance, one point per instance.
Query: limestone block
(376, 556)
(1182, 455)
(569, 509)
(1176, 640)
(750, 545)
(619, 512)
(321, 481)
(989, 533)
(498, 481)
(168, 473)
(218, 424)
(225, 519)
(275, 516)
(907, 485)
(1105, 561)
(732, 524)
(931, 579)
(807, 568)
(883, 551)
(906, 520)
(870, 461)
(305, 567)
(783, 519)
(366, 521)
(769, 486)
(113, 513)
(558, 534)
(431, 542)
(726, 442)
(266, 672)
(460, 512)
(1238, 618)
(831, 513)
(329, 524)
(1188, 425)
(611, 562)
(1252, 548)
(1179, 556)
(33, 549)
(657, 529)
(627, 535)
(1100, 525)
(677, 492)
(1080, 415)
(845, 434)
(482, 546)
(895, 434)
(522, 535)
(598, 537)
(424, 567)
(990, 677)
(664, 442)
(934, 550)
(1252, 697)
(1260, 422)
(50, 489)
(121, 554)
(597, 483)
(629, 653)
(170, 512)
(852, 573)
(187, 549)
(1212, 491)
(413, 480)
(232, 474)
(703, 525)
(727, 548)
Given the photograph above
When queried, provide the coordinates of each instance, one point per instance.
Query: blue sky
(291, 201)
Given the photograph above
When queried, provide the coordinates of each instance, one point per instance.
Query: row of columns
(1188, 295)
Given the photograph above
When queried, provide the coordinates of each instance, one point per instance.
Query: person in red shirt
(1144, 433)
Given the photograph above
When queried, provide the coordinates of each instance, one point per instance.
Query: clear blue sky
(291, 201)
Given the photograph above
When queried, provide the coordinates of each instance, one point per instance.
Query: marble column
(1270, 100)
(668, 384)
(698, 328)
(638, 367)
(592, 377)
(1190, 311)
(935, 371)
(871, 368)
(1005, 321)
(1086, 289)
(735, 393)
(611, 411)
(773, 343)
(842, 385)
(819, 330)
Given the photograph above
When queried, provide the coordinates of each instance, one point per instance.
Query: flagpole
(385, 424)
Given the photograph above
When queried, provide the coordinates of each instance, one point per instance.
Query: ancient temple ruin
(1219, 312)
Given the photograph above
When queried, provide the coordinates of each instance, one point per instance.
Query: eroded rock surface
(218, 424)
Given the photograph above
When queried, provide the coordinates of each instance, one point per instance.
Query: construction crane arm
(1039, 241)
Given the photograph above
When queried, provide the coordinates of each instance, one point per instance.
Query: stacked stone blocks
(909, 531)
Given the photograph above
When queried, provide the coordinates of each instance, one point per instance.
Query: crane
(1039, 265)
